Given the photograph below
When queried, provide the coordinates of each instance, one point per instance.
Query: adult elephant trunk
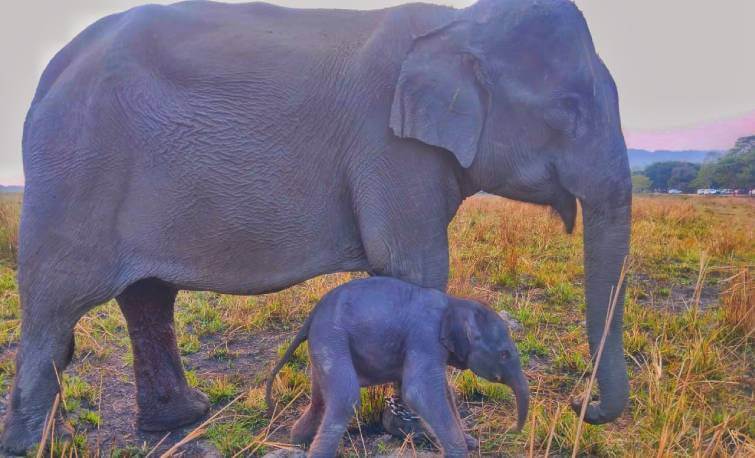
(607, 223)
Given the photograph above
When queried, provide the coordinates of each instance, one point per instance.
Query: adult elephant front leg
(164, 398)
(409, 242)
(406, 236)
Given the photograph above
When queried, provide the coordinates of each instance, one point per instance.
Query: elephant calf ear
(455, 331)
(439, 99)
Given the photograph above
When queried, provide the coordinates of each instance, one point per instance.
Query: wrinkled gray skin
(245, 148)
(382, 330)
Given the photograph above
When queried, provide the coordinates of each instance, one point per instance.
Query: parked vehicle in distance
(674, 191)
(722, 192)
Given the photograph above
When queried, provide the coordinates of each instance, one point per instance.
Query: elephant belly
(254, 263)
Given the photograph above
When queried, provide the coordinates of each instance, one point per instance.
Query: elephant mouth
(565, 205)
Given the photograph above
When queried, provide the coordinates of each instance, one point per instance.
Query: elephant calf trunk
(522, 394)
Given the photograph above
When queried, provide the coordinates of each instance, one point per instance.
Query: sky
(684, 68)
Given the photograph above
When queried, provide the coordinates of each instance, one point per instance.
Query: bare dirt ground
(250, 359)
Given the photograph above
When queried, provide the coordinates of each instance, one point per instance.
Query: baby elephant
(382, 330)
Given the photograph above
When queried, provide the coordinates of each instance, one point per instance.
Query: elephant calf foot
(177, 412)
(472, 443)
(400, 422)
(303, 431)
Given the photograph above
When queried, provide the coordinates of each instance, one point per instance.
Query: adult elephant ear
(441, 97)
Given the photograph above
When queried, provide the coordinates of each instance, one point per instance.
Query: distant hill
(640, 158)
(11, 189)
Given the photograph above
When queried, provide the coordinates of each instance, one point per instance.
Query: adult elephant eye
(505, 355)
(564, 114)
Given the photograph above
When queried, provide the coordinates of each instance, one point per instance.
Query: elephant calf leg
(427, 395)
(164, 398)
(305, 428)
(398, 420)
(339, 388)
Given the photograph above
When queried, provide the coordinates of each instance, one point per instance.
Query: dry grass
(688, 337)
(10, 210)
(738, 301)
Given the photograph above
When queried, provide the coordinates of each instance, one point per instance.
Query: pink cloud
(719, 135)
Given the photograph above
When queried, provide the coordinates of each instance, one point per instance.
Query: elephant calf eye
(505, 354)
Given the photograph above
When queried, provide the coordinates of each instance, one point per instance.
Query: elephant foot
(304, 430)
(400, 422)
(472, 443)
(18, 437)
(177, 412)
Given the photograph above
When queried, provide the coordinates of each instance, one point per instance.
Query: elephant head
(515, 90)
(478, 339)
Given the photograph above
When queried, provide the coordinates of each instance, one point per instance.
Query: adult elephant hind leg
(50, 309)
(164, 398)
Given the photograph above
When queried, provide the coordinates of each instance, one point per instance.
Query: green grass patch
(220, 389)
(471, 387)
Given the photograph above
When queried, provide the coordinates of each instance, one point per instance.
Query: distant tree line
(734, 170)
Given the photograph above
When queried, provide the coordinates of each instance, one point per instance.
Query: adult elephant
(245, 148)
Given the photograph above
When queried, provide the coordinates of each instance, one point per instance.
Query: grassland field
(689, 326)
